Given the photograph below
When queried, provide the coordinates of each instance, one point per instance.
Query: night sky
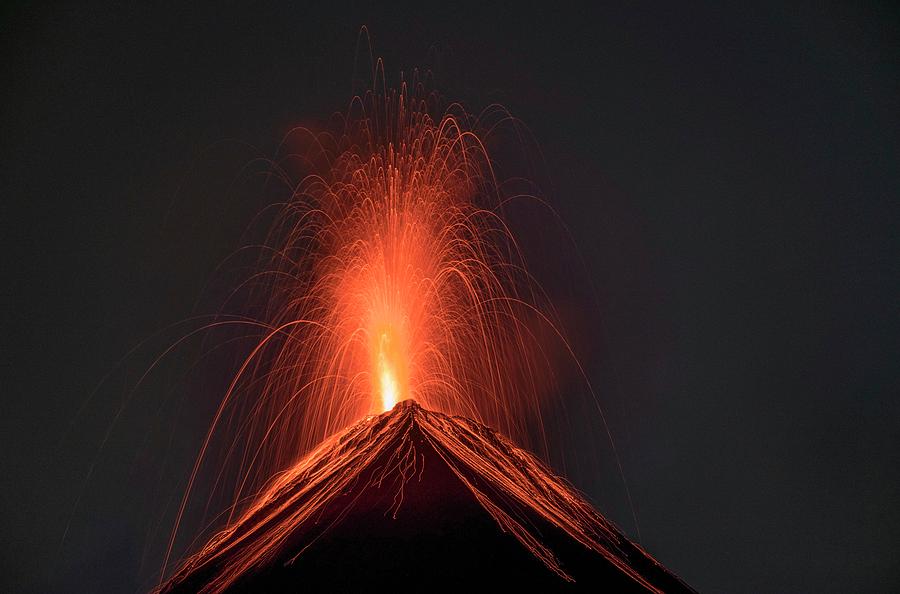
(729, 175)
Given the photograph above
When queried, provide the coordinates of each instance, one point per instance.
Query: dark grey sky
(729, 174)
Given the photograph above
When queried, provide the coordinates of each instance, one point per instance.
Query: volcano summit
(412, 500)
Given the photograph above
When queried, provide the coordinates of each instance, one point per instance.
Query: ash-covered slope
(416, 500)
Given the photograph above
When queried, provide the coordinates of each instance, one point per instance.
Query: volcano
(417, 500)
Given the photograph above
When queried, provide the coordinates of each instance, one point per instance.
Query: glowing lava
(393, 481)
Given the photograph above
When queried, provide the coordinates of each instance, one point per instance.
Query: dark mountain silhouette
(416, 500)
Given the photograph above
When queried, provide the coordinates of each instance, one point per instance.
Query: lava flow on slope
(413, 499)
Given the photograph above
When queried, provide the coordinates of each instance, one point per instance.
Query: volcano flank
(415, 500)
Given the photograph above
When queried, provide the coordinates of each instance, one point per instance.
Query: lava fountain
(389, 273)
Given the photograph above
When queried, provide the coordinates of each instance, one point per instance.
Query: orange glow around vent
(387, 373)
